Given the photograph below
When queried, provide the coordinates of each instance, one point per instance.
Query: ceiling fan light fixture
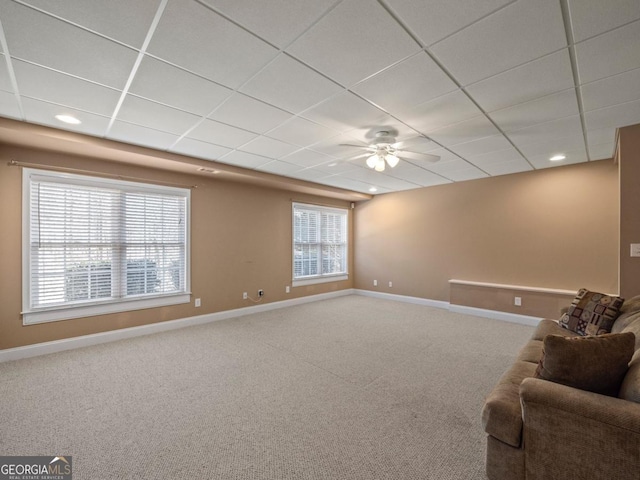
(372, 161)
(380, 165)
(392, 160)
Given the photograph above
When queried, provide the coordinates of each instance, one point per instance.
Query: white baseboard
(496, 315)
(404, 298)
(478, 312)
(37, 349)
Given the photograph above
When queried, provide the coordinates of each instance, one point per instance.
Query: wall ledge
(513, 287)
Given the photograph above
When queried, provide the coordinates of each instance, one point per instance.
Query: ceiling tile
(310, 175)
(555, 146)
(290, 85)
(208, 45)
(613, 52)
(355, 29)
(592, 17)
(9, 105)
(170, 85)
(540, 110)
(220, 134)
(471, 173)
(154, 115)
(306, 158)
(44, 113)
(545, 132)
(269, 147)
(335, 166)
(602, 151)
(343, 112)
(474, 129)
(407, 84)
(616, 116)
(123, 20)
(299, 131)
(354, 185)
(50, 86)
(512, 35)
(481, 146)
(381, 179)
(445, 110)
(278, 167)
(535, 79)
(5, 79)
(505, 168)
(286, 19)
(509, 155)
(432, 20)
(244, 159)
(416, 175)
(196, 148)
(612, 90)
(137, 135)
(602, 135)
(68, 49)
(573, 156)
(250, 114)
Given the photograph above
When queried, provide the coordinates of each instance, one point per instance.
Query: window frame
(43, 314)
(326, 277)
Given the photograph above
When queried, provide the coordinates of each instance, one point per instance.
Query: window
(93, 246)
(319, 244)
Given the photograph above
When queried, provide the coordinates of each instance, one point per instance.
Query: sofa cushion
(502, 413)
(550, 327)
(629, 312)
(591, 313)
(594, 363)
(630, 389)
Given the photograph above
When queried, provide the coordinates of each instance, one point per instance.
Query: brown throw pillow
(591, 313)
(594, 363)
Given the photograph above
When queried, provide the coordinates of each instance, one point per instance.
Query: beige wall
(629, 157)
(240, 241)
(553, 228)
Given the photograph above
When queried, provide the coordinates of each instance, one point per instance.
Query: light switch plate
(635, 249)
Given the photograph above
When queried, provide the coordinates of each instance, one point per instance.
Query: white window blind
(94, 242)
(319, 242)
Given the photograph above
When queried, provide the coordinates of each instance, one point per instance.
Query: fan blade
(356, 146)
(426, 156)
(366, 154)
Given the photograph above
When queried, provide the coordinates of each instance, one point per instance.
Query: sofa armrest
(570, 433)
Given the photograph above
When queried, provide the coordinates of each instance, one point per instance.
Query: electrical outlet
(390, 284)
(287, 289)
(635, 249)
(517, 301)
(375, 283)
(244, 295)
(198, 302)
(261, 293)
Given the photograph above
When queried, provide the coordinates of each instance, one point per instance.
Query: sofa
(542, 430)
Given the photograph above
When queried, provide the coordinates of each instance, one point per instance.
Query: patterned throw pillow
(591, 313)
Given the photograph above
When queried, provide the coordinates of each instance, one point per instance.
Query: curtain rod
(14, 163)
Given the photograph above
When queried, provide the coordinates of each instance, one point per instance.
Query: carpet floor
(348, 388)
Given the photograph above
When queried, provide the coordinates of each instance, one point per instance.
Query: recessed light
(68, 119)
(557, 158)
(373, 189)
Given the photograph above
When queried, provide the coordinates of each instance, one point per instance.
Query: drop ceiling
(492, 87)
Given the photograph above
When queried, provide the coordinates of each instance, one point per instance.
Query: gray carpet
(347, 388)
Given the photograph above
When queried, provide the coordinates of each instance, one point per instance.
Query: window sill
(67, 313)
(314, 280)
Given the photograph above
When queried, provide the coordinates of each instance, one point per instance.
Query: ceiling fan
(384, 150)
